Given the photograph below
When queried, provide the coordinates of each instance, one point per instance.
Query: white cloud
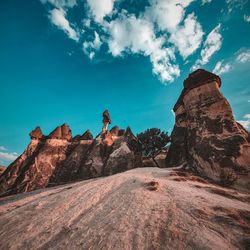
(100, 8)
(205, 1)
(89, 48)
(234, 4)
(221, 69)
(57, 17)
(247, 18)
(187, 38)
(61, 3)
(243, 57)
(5, 156)
(129, 34)
(3, 148)
(167, 14)
(168, 17)
(212, 45)
(246, 122)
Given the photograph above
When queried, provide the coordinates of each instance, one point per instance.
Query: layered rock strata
(206, 136)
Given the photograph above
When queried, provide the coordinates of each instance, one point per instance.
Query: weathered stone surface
(206, 137)
(87, 135)
(144, 208)
(58, 159)
(95, 160)
(68, 170)
(61, 132)
(2, 169)
(14, 174)
(114, 131)
(35, 167)
(36, 133)
(121, 158)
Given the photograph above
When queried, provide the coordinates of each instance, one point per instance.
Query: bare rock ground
(144, 208)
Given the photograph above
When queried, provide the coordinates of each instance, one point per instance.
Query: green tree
(151, 142)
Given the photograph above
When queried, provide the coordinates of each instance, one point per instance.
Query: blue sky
(68, 60)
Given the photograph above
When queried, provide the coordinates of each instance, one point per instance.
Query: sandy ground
(144, 208)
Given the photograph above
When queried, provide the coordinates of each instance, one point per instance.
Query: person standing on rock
(106, 120)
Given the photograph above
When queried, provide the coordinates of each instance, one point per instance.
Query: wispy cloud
(234, 4)
(58, 18)
(61, 3)
(90, 47)
(211, 45)
(221, 68)
(243, 56)
(246, 121)
(247, 18)
(8, 156)
(206, 1)
(3, 148)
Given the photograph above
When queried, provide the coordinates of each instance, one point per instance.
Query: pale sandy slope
(124, 211)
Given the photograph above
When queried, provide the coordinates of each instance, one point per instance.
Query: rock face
(36, 133)
(206, 137)
(59, 158)
(2, 169)
(109, 154)
(61, 132)
(144, 208)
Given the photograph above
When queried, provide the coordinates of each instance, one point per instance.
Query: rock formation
(2, 169)
(206, 137)
(35, 166)
(143, 208)
(109, 154)
(58, 158)
(36, 133)
(61, 132)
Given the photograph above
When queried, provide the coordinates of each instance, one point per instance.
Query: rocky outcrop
(59, 158)
(2, 169)
(36, 165)
(61, 132)
(206, 137)
(121, 159)
(36, 133)
(144, 208)
(109, 154)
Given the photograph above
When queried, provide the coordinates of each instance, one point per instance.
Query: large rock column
(206, 137)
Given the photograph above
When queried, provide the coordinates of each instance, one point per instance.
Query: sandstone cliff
(144, 208)
(206, 137)
(59, 158)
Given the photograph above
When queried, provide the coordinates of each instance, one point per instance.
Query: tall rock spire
(205, 136)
